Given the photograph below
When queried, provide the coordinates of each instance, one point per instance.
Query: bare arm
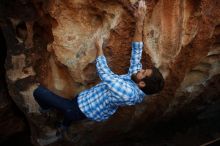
(139, 16)
(137, 44)
(98, 45)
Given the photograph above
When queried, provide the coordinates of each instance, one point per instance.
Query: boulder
(52, 42)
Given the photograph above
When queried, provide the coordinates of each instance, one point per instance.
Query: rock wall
(52, 42)
(11, 120)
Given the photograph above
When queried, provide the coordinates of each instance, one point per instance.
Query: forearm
(138, 31)
(139, 16)
(98, 45)
(99, 52)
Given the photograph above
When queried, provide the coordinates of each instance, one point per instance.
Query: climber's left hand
(98, 45)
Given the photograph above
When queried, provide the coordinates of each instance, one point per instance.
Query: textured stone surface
(52, 42)
(11, 121)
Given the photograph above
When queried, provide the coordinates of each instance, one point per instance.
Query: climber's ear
(141, 84)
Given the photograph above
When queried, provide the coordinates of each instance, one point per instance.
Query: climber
(101, 101)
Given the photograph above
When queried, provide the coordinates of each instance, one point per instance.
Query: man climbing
(101, 101)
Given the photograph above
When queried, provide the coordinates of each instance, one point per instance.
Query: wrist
(139, 28)
(139, 20)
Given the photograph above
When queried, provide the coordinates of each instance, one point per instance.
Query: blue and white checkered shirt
(101, 101)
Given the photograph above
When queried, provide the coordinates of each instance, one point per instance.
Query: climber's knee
(35, 93)
(38, 93)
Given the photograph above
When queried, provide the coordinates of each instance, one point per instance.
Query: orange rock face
(181, 38)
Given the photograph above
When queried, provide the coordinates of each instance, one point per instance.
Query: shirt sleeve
(136, 53)
(123, 93)
(104, 71)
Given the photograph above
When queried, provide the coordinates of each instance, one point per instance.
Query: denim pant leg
(73, 114)
(47, 99)
(41, 96)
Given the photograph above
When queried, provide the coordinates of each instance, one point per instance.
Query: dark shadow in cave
(19, 138)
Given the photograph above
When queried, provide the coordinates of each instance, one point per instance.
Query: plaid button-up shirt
(101, 101)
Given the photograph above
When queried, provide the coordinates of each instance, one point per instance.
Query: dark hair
(153, 83)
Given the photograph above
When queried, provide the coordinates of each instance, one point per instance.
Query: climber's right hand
(140, 11)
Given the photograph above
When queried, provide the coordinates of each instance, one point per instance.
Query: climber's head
(150, 81)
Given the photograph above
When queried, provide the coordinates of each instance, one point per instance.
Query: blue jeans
(47, 100)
